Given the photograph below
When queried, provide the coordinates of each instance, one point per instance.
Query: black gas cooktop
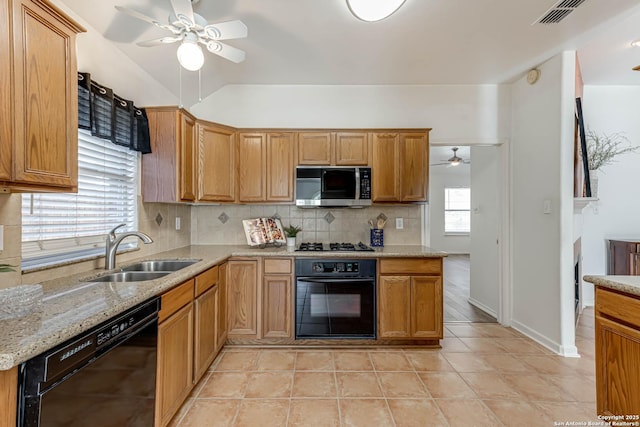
(333, 247)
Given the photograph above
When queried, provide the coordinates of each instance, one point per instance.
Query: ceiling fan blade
(157, 42)
(440, 164)
(143, 17)
(184, 12)
(226, 30)
(228, 52)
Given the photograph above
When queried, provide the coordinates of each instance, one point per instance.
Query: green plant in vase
(291, 231)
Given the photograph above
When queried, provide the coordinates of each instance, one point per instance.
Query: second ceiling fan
(453, 160)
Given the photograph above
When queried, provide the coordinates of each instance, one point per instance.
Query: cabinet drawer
(206, 280)
(411, 266)
(175, 299)
(278, 266)
(622, 307)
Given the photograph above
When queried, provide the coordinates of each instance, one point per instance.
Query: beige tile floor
(484, 375)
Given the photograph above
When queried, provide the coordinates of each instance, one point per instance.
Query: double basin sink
(146, 270)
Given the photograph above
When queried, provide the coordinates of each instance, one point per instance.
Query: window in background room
(61, 227)
(457, 210)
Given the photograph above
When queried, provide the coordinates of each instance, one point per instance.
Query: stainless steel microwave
(333, 186)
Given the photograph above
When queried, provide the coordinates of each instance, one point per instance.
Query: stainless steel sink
(131, 276)
(169, 265)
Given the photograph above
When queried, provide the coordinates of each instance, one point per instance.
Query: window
(457, 210)
(58, 227)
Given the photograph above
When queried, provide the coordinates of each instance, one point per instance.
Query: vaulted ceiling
(319, 42)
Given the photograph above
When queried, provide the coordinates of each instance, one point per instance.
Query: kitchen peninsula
(617, 324)
(252, 298)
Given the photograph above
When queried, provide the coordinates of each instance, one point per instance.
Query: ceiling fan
(191, 30)
(453, 160)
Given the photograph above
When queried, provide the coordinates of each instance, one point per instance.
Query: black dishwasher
(103, 377)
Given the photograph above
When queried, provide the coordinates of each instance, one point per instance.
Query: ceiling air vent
(559, 11)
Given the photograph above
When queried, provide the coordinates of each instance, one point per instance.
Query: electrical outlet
(546, 207)
(178, 223)
(399, 223)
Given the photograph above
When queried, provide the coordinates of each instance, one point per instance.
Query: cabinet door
(242, 294)
(426, 307)
(160, 167)
(252, 167)
(45, 101)
(175, 364)
(205, 331)
(385, 168)
(280, 168)
(414, 167)
(276, 306)
(352, 148)
(394, 302)
(221, 309)
(216, 163)
(314, 148)
(6, 109)
(617, 371)
(187, 171)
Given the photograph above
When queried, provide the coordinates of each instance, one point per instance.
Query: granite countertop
(74, 304)
(628, 284)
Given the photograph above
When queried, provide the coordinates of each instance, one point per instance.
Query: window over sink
(59, 227)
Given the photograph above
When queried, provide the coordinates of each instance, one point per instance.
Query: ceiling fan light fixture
(373, 10)
(189, 54)
(635, 43)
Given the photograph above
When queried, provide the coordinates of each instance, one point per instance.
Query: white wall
(611, 109)
(441, 177)
(464, 114)
(112, 68)
(542, 170)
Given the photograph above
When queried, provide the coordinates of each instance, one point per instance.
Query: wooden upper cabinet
(315, 148)
(280, 167)
(400, 166)
(187, 164)
(265, 167)
(352, 149)
(386, 167)
(39, 106)
(414, 167)
(216, 154)
(168, 171)
(252, 167)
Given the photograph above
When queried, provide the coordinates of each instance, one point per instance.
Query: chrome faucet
(114, 240)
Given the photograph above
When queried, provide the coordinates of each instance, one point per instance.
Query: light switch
(399, 223)
(546, 209)
(178, 224)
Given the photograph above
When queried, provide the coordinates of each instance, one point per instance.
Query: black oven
(103, 377)
(335, 298)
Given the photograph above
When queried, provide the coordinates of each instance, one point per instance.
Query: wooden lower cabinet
(242, 298)
(175, 364)
(277, 298)
(410, 306)
(221, 329)
(9, 397)
(205, 345)
(617, 326)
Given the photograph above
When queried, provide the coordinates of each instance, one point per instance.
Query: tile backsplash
(223, 224)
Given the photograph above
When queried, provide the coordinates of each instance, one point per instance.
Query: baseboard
(478, 304)
(566, 351)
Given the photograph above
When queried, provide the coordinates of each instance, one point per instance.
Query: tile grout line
(382, 390)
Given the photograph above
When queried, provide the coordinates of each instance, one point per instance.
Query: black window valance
(111, 117)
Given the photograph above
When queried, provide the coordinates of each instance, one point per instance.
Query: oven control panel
(335, 267)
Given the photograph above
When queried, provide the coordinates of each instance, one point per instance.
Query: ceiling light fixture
(373, 10)
(635, 43)
(190, 55)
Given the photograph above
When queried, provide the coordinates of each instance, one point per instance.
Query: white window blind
(457, 210)
(59, 227)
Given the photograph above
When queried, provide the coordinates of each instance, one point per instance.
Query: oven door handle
(336, 280)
